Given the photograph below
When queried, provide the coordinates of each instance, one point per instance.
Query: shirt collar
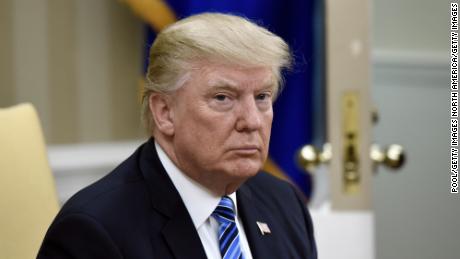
(199, 201)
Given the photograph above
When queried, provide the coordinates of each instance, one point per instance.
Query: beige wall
(6, 58)
(79, 62)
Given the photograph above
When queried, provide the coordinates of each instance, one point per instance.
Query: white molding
(77, 165)
(71, 157)
(425, 59)
(394, 68)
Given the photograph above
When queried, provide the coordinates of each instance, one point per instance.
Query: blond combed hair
(210, 37)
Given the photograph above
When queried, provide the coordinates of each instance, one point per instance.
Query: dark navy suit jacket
(136, 212)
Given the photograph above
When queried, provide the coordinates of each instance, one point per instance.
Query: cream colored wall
(78, 62)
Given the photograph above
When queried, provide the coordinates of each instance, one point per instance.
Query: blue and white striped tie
(229, 240)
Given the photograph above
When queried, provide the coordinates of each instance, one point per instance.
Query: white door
(345, 229)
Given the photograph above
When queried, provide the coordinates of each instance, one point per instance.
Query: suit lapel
(251, 212)
(179, 232)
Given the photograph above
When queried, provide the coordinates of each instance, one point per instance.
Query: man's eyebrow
(224, 87)
(222, 83)
(225, 84)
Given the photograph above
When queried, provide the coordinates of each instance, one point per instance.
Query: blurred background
(80, 63)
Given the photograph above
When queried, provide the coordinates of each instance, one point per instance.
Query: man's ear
(161, 108)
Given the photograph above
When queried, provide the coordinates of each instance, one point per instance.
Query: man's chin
(247, 170)
(237, 180)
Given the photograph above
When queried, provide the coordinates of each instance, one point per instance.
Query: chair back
(28, 200)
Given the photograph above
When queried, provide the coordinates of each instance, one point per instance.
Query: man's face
(222, 120)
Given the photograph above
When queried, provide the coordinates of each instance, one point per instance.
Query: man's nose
(249, 116)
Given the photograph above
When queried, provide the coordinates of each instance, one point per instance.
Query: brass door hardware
(310, 157)
(351, 140)
(392, 157)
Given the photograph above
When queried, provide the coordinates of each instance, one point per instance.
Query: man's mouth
(246, 149)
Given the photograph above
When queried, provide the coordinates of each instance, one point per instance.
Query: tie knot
(225, 211)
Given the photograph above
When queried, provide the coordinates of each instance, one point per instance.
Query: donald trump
(194, 189)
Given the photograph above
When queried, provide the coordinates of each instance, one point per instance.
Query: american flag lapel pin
(263, 227)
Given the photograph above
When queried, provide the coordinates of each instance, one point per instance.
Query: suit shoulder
(275, 193)
(111, 189)
(270, 183)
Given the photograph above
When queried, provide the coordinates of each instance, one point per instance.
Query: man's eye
(220, 97)
(263, 96)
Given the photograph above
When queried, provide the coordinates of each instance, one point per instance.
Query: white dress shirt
(200, 203)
